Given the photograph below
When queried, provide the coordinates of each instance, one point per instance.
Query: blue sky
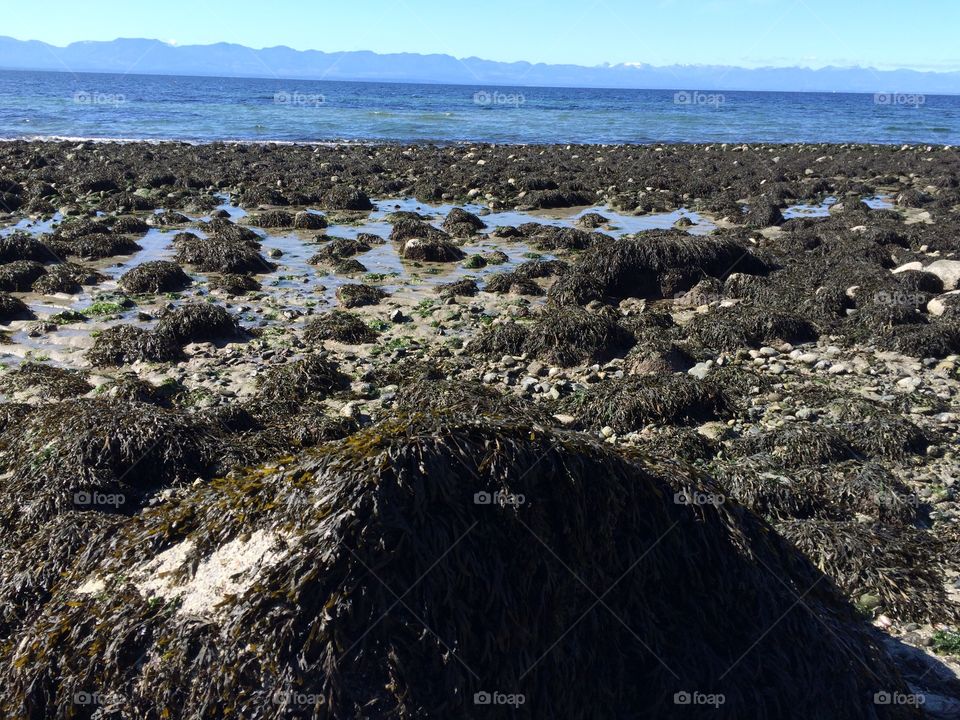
(918, 34)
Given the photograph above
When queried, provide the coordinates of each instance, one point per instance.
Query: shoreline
(454, 143)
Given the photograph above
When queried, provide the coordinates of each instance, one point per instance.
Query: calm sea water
(47, 104)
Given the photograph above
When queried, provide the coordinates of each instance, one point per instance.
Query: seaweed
(154, 276)
(220, 253)
(340, 326)
(630, 403)
(340, 566)
(359, 295)
(19, 275)
(895, 564)
(234, 284)
(285, 388)
(13, 308)
(199, 322)
(569, 335)
(122, 344)
(463, 288)
(51, 381)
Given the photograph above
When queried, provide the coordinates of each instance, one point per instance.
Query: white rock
(948, 271)
(916, 265)
(938, 306)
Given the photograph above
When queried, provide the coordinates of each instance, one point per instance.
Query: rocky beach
(391, 431)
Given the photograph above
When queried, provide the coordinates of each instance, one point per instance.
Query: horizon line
(602, 66)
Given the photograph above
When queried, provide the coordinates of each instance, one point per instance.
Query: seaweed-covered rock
(123, 344)
(630, 403)
(234, 284)
(653, 264)
(50, 381)
(559, 335)
(154, 276)
(96, 246)
(746, 326)
(895, 564)
(199, 322)
(273, 219)
(288, 387)
(19, 276)
(340, 326)
(72, 452)
(13, 308)
(342, 197)
(430, 250)
(220, 254)
(763, 214)
(68, 278)
(339, 249)
(294, 572)
(460, 223)
(462, 288)
(513, 283)
(359, 295)
(20, 246)
(304, 220)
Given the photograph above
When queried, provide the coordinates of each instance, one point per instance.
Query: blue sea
(203, 109)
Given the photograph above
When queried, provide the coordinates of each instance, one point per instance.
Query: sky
(886, 34)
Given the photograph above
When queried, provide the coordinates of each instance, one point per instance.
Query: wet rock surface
(264, 324)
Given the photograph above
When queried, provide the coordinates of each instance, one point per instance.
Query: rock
(304, 220)
(714, 430)
(777, 368)
(910, 266)
(345, 198)
(808, 358)
(607, 431)
(942, 303)
(838, 369)
(699, 371)
(397, 316)
(947, 270)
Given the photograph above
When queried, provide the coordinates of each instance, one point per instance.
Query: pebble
(777, 368)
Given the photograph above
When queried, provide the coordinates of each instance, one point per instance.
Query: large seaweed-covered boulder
(653, 264)
(429, 563)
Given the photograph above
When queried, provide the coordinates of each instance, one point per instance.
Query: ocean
(203, 109)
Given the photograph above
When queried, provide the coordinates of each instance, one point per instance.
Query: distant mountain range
(153, 57)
